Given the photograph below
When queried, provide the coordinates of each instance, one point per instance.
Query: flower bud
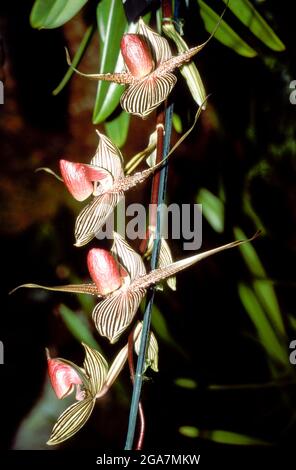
(104, 270)
(137, 55)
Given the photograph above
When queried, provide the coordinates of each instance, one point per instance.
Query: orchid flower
(91, 382)
(104, 179)
(121, 280)
(149, 65)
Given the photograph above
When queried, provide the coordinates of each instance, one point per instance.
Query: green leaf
(177, 123)
(263, 287)
(112, 24)
(212, 209)
(185, 382)
(189, 431)
(117, 129)
(269, 340)
(54, 13)
(224, 33)
(76, 59)
(222, 437)
(159, 324)
(250, 256)
(78, 326)
(252, 19)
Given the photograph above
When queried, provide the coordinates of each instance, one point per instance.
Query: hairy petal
(72, 288)
(159, 274)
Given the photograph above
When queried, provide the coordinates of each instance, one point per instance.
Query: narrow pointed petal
(114, 314)
(92, 218)
(151, 359)
(62, 376)
(136, 54)
(128, 257)
(108, 156)
(159, 46)
(144, 96)
(159, 274)
(72, 288)
(118, 363)
(120, 78)
(76, 180)
(104, 270)
(189, 71)
(96, 368)
(71, 421)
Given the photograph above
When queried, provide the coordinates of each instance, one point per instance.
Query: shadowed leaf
(54, 13)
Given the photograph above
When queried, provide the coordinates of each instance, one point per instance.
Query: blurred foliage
(221, 437)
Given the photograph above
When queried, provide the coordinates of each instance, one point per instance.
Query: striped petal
(92, 218)
(72, 288)
(104, 270)
(165, 256)
(71, 421)
(114, 314)
(159, 274)
(96, 368)
(144, 96)
(159, 46)
(131, 260)
(151, 359)
(108, 156)
(76, 180)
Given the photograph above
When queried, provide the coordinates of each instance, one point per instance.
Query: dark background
(245, 142)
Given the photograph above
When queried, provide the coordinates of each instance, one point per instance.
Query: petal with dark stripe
(92, 218)
(128, 257)
(114, 314)
(151, 359)
(96, 368)
(159, 46)
(108, 156)
(71, 421)
(144, 96)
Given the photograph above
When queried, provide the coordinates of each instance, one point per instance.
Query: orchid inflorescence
(119, 278)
